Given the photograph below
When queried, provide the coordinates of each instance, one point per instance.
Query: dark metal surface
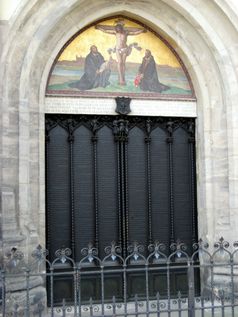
(191, 140)
(215, 299)
(115, 178)
(148, 142)
(170, 127)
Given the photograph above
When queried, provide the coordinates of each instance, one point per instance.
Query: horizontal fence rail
(206, 282)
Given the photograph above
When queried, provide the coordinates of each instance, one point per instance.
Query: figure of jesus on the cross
(122, 49)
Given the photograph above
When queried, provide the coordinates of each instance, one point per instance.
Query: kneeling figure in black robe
(148, 75)
(96, 72)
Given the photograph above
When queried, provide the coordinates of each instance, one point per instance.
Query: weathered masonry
(193, 103)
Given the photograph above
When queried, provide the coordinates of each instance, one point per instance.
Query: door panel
(107, 188)
(182, 186)
(83, 212)
(58, 196)
(160, 186)
(137, 187)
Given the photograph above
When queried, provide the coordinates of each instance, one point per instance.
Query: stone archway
(36, 35)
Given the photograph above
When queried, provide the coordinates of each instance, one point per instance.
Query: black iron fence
(147, 282)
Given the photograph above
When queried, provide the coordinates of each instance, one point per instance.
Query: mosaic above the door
(119, 57)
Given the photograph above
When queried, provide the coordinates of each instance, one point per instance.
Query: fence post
(191, 290)
(3, 293)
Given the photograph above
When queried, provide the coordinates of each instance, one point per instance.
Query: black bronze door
(123, 179)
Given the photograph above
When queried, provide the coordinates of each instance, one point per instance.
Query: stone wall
(205, 35)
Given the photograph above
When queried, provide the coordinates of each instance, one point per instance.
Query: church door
(123, 179)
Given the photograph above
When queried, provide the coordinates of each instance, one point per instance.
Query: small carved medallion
(123, 105)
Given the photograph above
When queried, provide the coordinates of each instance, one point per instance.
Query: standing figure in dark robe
(96, 71)
(148, 77)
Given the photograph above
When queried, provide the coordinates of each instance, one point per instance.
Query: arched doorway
(196, 32)
(121, 178)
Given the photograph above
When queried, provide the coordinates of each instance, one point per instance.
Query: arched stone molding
(199, 32)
